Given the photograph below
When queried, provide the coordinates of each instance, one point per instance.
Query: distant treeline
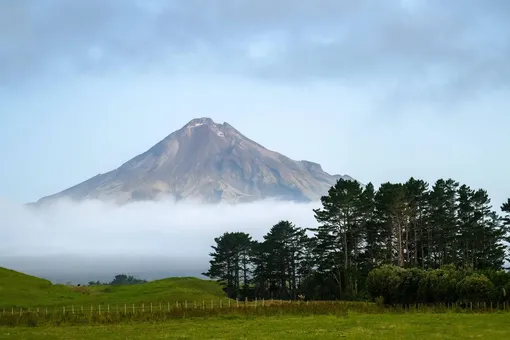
(435, 243)
(119, 280)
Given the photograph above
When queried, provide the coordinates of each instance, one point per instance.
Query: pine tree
(339, 236)
(505, 208)
(443, 222)
(417, 243)
(230, 262)
(373, 248)
(279, 260)
(391, 212)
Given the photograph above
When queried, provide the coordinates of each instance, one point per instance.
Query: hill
(21, 290)
(208, 162)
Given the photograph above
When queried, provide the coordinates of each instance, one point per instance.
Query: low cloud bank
(92, 240)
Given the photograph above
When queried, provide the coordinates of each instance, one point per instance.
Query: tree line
(360, 229)
(119, 280)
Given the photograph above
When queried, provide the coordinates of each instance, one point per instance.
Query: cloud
(94, 240)
(432, 46)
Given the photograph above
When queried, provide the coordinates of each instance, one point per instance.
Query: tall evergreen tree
(279, 261)
(340, 236)
(505, 208)
(373, 243)
(391, 212)
(443, 222)
(417, 198)
(230, 263)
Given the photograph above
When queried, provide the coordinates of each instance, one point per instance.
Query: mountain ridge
(210, 162)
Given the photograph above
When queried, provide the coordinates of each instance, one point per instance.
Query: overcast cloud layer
(462, 45)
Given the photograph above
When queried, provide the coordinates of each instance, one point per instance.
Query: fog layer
(92, 240)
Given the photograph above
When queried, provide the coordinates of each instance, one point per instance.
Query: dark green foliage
(446, 285)
(438, 286)
(405, 242)
(475, 288)
(385, 282)
(231, 262)
(123, 279)
(282, 261)
(119, 280)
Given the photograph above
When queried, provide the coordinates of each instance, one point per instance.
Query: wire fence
(151, 307)
(232, 305)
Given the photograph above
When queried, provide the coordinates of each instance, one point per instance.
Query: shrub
(409, 285)
(438, 286)
(385, 281)
(475, 288)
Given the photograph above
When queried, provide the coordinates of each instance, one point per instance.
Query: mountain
(210, 162)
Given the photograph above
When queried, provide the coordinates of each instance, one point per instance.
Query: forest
(404, 242)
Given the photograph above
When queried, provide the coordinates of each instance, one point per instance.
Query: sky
(378, 90)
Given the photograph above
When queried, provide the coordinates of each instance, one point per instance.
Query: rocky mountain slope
(209, 162)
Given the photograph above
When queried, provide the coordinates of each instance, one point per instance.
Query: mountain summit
(210, 162)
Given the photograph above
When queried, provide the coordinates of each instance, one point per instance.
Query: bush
(410, 284)
(438, 286)
(385, 281)
(475, 288)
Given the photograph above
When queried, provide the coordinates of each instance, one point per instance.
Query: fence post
(125, 308)
(203, 304)
(72, 308)
(64, 310)
(160, 306)
(108, 308)
(143, 307)
(151, 307)
(237, 302)
(194, 304)
(228, 303)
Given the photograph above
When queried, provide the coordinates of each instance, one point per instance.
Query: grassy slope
(20, 290)
(375, 326)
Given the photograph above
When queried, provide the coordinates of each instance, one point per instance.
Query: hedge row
(397, 285)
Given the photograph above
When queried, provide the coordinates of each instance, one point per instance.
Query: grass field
(20, 290)
(353, 326)
(272, 320)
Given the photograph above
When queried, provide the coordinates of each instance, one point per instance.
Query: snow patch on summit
(209, 123)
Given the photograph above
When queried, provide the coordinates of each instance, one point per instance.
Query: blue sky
(379, 90)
